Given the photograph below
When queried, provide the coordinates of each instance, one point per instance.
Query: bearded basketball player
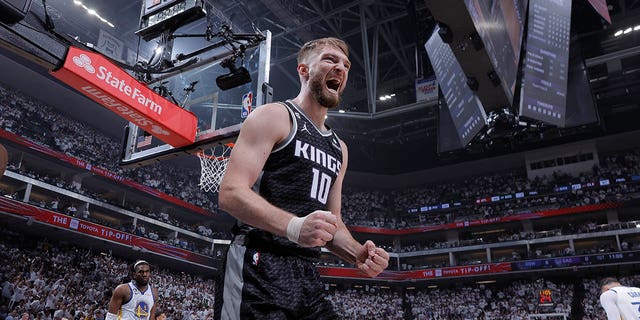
(135, 300)
(296, 165)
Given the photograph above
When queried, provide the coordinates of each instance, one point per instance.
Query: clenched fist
(313, 230)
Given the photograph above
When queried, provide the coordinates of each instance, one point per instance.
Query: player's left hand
(371, 260)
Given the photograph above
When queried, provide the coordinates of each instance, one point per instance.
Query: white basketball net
(213, 167)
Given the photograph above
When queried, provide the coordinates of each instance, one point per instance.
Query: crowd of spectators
(516, 235)
(149, 230)
(49, 280)
(139, 208)
(76, 282)
(515, 301)
(42, 124)
(462, 196)
(375, 208)
(367, 303)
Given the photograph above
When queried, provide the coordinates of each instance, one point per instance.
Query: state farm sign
(102, 81)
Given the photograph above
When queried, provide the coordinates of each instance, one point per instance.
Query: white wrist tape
(293, 228)
(111, 316)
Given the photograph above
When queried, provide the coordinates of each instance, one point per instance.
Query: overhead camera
(502, 127)
(236, 77)
(501, 123)
(507, 129)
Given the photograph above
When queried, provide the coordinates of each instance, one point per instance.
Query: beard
(317, 89)
(141, 281)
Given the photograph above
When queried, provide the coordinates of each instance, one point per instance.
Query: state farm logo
(118, 83)
(83, 61)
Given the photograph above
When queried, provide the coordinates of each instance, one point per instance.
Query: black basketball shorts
(266, 285)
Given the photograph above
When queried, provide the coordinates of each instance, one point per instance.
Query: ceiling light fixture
(93, 12)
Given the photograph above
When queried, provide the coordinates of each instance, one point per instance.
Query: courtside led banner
(105, 83)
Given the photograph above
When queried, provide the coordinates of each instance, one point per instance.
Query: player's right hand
(318, 229)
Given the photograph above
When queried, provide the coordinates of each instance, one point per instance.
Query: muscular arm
(119, 296)
(368, 258)
(260, 132)
(608, 302)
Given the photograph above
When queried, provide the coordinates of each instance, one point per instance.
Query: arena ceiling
(391, 136)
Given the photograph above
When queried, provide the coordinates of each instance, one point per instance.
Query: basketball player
(618, 301)
(135, 300)
(296, 164)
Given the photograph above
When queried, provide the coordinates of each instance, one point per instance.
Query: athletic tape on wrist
(294, 227)
(111, 316)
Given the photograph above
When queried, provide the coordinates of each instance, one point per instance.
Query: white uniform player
(135, 300)
(620, 302)
(140, 305)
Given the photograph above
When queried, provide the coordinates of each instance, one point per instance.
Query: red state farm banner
(99, 79)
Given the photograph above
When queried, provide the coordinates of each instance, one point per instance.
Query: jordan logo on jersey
(142, 310)
(304, 128)
(335, 144)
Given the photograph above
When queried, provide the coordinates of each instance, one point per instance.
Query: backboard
(220, 113)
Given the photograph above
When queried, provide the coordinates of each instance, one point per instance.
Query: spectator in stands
(54, 204)
(71, 210)
(161, 316)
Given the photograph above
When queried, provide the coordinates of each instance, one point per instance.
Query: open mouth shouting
(333, 85)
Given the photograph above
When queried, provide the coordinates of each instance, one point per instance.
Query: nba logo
(247, 101)
(256, 258)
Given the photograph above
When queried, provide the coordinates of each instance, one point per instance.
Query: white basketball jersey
(625, 299)
(139, 306)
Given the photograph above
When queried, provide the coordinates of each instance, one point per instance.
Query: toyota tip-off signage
(102, 81)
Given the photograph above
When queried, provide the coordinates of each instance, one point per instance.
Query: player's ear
(303, 70)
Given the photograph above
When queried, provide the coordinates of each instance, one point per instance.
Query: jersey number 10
(320, 186)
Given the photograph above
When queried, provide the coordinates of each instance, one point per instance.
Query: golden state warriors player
(620, 302)
(135, 300)
(296, 164)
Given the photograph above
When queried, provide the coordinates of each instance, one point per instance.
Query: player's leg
(255, 285)
(317, 307)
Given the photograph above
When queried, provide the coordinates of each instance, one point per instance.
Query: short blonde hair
(308, 47)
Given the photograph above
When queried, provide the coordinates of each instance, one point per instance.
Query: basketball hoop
(213, 166)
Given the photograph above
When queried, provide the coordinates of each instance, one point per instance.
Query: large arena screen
(465, 108)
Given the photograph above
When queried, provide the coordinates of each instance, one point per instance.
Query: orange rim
(201, 153)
